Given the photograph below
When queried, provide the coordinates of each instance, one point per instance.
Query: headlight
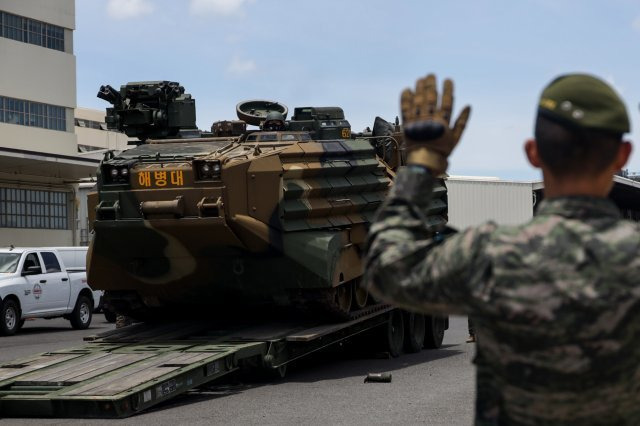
(208, 170)
(114, 174)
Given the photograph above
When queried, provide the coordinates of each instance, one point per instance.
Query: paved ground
(432, 387)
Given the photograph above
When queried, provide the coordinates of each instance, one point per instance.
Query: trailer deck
(125, 371)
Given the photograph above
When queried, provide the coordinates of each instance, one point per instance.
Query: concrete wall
(35, 73)
(40, 140)
(35, 237)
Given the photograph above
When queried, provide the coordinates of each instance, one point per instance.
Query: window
(55, 37)
(26, 208)
(34, 114)
(90, 124)
(9, 262)
(50, 260)
(57, 118)
(12, 27)
(35, 32)
(31, 261)
(268, 137)
(37, 115)
(89, 148)
(14, 111)
(31, 31)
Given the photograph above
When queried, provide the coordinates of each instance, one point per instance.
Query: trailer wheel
(81, 316)
(110, 316)
(395, 333)
(434, 331)
(9, 318)
(414, 327)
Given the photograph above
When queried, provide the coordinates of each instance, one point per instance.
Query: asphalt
(434, 387)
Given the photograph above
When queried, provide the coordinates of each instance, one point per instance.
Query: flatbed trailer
(128, 370)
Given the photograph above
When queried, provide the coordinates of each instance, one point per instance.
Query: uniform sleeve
(413, 267)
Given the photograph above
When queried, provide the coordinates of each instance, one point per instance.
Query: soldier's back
(559, 330)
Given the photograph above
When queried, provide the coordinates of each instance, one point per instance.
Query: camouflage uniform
(555, 301)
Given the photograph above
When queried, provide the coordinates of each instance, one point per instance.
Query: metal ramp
(125, 371)
(113, 380)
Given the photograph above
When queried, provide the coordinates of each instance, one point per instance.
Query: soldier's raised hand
(429, 138)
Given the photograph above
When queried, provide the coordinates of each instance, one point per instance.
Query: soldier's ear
(531, 150)
(624, 152)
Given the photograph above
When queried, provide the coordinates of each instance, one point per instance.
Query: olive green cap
(584, 101)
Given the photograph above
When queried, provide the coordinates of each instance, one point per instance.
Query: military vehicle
(236, 218)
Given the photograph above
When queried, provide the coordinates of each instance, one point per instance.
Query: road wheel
(434, 331)
(9, 318)
(360, 294)
(342, 297)
(82, 313)
(394, 333)
(110, 316)
(414, 328)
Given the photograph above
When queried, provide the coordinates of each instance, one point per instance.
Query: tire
(9, 318)
(434, 331)
(82, 313)
(110, 316)
(414, 328)
(394, 333)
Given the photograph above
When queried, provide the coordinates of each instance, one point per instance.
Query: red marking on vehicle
(37, 291)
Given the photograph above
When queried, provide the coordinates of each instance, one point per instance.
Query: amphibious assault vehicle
(236, 218)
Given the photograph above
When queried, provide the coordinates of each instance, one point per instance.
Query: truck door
(33, 291)
(56, 283)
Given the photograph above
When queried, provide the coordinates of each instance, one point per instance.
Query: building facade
(41, 158)
(476, 200)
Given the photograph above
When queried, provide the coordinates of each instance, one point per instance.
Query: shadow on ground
(328, 364)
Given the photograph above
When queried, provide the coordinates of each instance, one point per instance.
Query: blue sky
(360, 54)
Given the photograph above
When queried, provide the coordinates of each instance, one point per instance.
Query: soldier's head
(579, 129)
(274, 121)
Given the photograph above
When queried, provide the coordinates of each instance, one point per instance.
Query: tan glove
(428, 138)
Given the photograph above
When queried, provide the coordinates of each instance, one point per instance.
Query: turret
(151, 109)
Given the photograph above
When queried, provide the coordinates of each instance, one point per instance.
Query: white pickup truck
(34, 283)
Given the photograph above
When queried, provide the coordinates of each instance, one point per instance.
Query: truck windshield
(9, 262)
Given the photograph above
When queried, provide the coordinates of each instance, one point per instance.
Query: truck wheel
(434, 331)
(110, 316)
(82, 313)
(394, 333)
(414, 328)
(9, 318)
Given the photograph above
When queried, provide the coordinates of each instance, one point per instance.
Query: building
(41, 156)
(475, 200)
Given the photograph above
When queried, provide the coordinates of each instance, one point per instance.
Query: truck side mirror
(32, 270)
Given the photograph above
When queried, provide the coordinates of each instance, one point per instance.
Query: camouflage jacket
(556, 302)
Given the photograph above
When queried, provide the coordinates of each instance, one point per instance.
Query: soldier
(556, 301)
(274, 121)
